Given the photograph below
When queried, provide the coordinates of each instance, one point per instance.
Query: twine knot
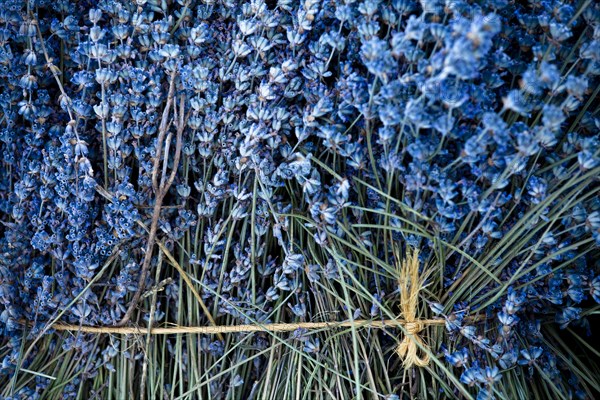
(410, 283)
(414, 327)
(408, 349)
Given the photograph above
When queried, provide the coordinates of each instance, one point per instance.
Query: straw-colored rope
(287, 327)
(410, 283)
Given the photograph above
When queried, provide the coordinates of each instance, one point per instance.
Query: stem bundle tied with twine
(410, 283)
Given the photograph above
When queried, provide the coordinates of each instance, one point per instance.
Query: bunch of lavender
(275, 154)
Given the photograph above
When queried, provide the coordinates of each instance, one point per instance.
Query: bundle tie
(408, 349)
(409, 282)
(275, 327)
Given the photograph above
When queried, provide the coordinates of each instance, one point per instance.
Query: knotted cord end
(408, 349)
(410, 282)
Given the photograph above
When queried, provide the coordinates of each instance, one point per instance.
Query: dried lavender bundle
(411, 186)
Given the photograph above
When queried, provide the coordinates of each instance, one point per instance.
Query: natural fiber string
(410, 283)
(284, 327)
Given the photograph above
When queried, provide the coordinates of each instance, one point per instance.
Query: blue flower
(530, 355)
(472, 376)
(459, 358)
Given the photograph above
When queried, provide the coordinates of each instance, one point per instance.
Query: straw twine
(410, 283)
(283, 327)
